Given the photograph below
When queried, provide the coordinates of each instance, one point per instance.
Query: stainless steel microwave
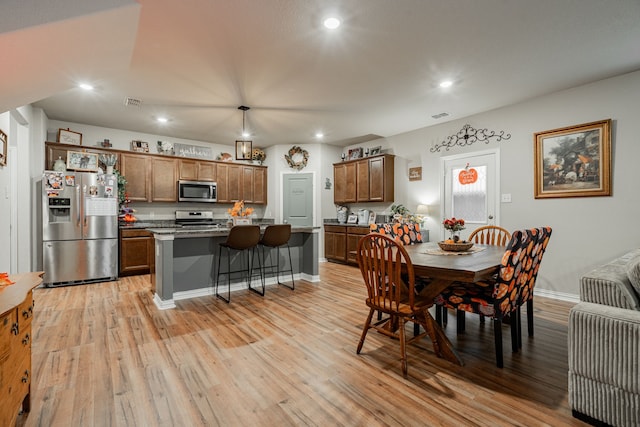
(197, 191)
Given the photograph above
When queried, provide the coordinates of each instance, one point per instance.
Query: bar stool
(241, 238)
(276, 236)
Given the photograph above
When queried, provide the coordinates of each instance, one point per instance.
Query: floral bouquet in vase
(453, 225)
(239, 213)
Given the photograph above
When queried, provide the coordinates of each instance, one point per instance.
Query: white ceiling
(196, 61)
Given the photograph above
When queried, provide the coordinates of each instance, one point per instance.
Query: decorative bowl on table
(455, 247)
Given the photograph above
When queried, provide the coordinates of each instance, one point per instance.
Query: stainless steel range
(195, 219)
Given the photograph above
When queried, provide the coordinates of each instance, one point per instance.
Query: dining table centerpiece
(453, 243)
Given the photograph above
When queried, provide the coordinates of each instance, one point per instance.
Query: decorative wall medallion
(469, 135)
(297, 158)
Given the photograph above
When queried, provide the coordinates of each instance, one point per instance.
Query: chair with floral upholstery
(503, 296)
(486, 235)
(405, 233)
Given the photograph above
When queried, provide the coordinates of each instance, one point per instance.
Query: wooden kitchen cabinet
(354, 234)
(335, 243)
(254, 184)
(364, 180)
(164, 180)
(260, 185)
(16, 314)
(136, 170)
(137, 252)
(381, 183)
(344, 178)
(196, 170)
(229, 182)
(54, 150)
(241, 182)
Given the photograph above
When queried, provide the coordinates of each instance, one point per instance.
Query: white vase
(109, 169)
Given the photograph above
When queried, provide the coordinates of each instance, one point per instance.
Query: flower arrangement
(127, 213)
(259, 155)
(453, 225)
(239, 210)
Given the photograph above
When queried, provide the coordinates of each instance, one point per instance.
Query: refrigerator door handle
(78, 204)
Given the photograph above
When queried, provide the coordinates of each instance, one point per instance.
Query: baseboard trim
(163, 304)
(562, 296)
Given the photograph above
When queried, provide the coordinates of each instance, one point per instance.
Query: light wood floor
(104, 355)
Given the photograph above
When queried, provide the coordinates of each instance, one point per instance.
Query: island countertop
(212, 230)
(187, 259)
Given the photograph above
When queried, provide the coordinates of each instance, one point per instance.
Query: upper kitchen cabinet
(164, 180)
(364, 180)
(136, 168)
(344, 178)
(55, 151)
(149, 178)
(254, 184)
(196, 170)
(241, 182)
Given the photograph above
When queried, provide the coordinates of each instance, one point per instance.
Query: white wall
(587, 231)
(5, 205)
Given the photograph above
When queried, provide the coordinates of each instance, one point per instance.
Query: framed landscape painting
(574, 161)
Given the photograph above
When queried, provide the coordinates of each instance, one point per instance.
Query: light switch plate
(506, 198)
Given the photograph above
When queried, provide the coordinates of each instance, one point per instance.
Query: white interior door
(470, 189)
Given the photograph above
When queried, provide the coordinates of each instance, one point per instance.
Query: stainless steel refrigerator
(79, 227)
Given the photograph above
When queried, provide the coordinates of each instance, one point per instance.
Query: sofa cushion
(633, 272)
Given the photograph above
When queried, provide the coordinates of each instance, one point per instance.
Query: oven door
(196, 191)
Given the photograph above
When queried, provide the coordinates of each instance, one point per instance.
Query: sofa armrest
(604, 344)
(604, 376)
(609, 285)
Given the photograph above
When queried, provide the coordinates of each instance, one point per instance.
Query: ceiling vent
(439, 116)
(133, 102)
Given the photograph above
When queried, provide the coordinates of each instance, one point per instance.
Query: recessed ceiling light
(332, 23)
(246, 134)
(162, 119)
(85, 86)
(446, 83)
(319, 135)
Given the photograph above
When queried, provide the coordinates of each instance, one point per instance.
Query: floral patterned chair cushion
(513, 285)
(406, 233)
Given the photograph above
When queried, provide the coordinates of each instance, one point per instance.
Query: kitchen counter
(186, 260)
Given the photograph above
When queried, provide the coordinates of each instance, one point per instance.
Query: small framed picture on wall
(66, 136)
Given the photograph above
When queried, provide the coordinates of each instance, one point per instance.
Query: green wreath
(296, 151)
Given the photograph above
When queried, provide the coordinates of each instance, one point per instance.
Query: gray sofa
(604, 345)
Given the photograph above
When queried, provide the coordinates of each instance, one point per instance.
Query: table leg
(441, 344)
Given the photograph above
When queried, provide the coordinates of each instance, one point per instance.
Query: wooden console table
(16, 312)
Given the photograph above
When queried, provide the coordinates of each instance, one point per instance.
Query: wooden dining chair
(504, 295)
(404, 233)
(490, 235)
(380, 259)
(486, 235)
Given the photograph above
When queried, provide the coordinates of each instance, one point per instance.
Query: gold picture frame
(573, 161)
(66, 136)
(3, 148)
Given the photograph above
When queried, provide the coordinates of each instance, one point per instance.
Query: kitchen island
(186, 260)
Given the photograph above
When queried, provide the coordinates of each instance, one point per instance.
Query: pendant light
(243, 147)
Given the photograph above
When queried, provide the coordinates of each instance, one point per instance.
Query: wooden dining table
(445, 269)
